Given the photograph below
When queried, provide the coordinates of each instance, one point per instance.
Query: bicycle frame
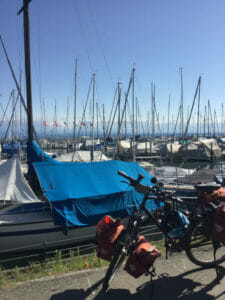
(174, 243)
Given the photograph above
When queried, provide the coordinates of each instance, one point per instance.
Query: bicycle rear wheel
(202, 249)
(114, 267)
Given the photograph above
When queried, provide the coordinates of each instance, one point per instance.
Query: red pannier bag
(141, 258)
(218, 194)
(108, 230)
(219, 224)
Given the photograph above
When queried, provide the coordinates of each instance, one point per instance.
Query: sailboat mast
(54, 133)
(20, 107)
(44, 123)
(26, 25)
(181, 106)
(221, 122)
(97, 118)
(198, 116)
(92, 125)
(168, 119)
(125, 122)
(67, 122)
(75, 107)
(133, 131)
(136, 117)
(104, 132)
(209, 110)
(205, 117)
(153, 113)
(119, 124)
(13, 115)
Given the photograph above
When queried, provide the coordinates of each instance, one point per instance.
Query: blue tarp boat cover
(82, 193)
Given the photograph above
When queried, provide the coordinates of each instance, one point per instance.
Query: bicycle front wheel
(114, 267)
(202, 249)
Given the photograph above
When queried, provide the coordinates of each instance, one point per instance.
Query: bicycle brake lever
(125, 182)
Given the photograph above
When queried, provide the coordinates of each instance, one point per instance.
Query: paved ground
(176, 278)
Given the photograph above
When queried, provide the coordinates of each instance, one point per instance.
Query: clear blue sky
(107, 37)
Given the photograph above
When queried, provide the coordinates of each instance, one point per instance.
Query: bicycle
(194, 236)
(201, 246)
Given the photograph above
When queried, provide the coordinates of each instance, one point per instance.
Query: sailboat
(74, 196)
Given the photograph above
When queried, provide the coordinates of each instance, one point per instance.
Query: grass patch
(54, 267)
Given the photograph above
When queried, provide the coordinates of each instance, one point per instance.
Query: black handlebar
(147, 190)
(125, 176)
(136, 183)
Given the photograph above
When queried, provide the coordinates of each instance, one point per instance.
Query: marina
(27, 224)
(58, 171)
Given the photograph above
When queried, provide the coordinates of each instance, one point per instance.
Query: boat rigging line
(16, 82)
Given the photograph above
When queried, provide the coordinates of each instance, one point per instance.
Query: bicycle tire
(113, 268)
(200, 247)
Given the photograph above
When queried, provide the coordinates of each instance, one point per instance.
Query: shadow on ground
(164, 287)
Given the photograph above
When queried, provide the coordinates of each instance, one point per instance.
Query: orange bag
(219, 194)
(215, 195)
(141, 258)
(108, 230)
(219, 224)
